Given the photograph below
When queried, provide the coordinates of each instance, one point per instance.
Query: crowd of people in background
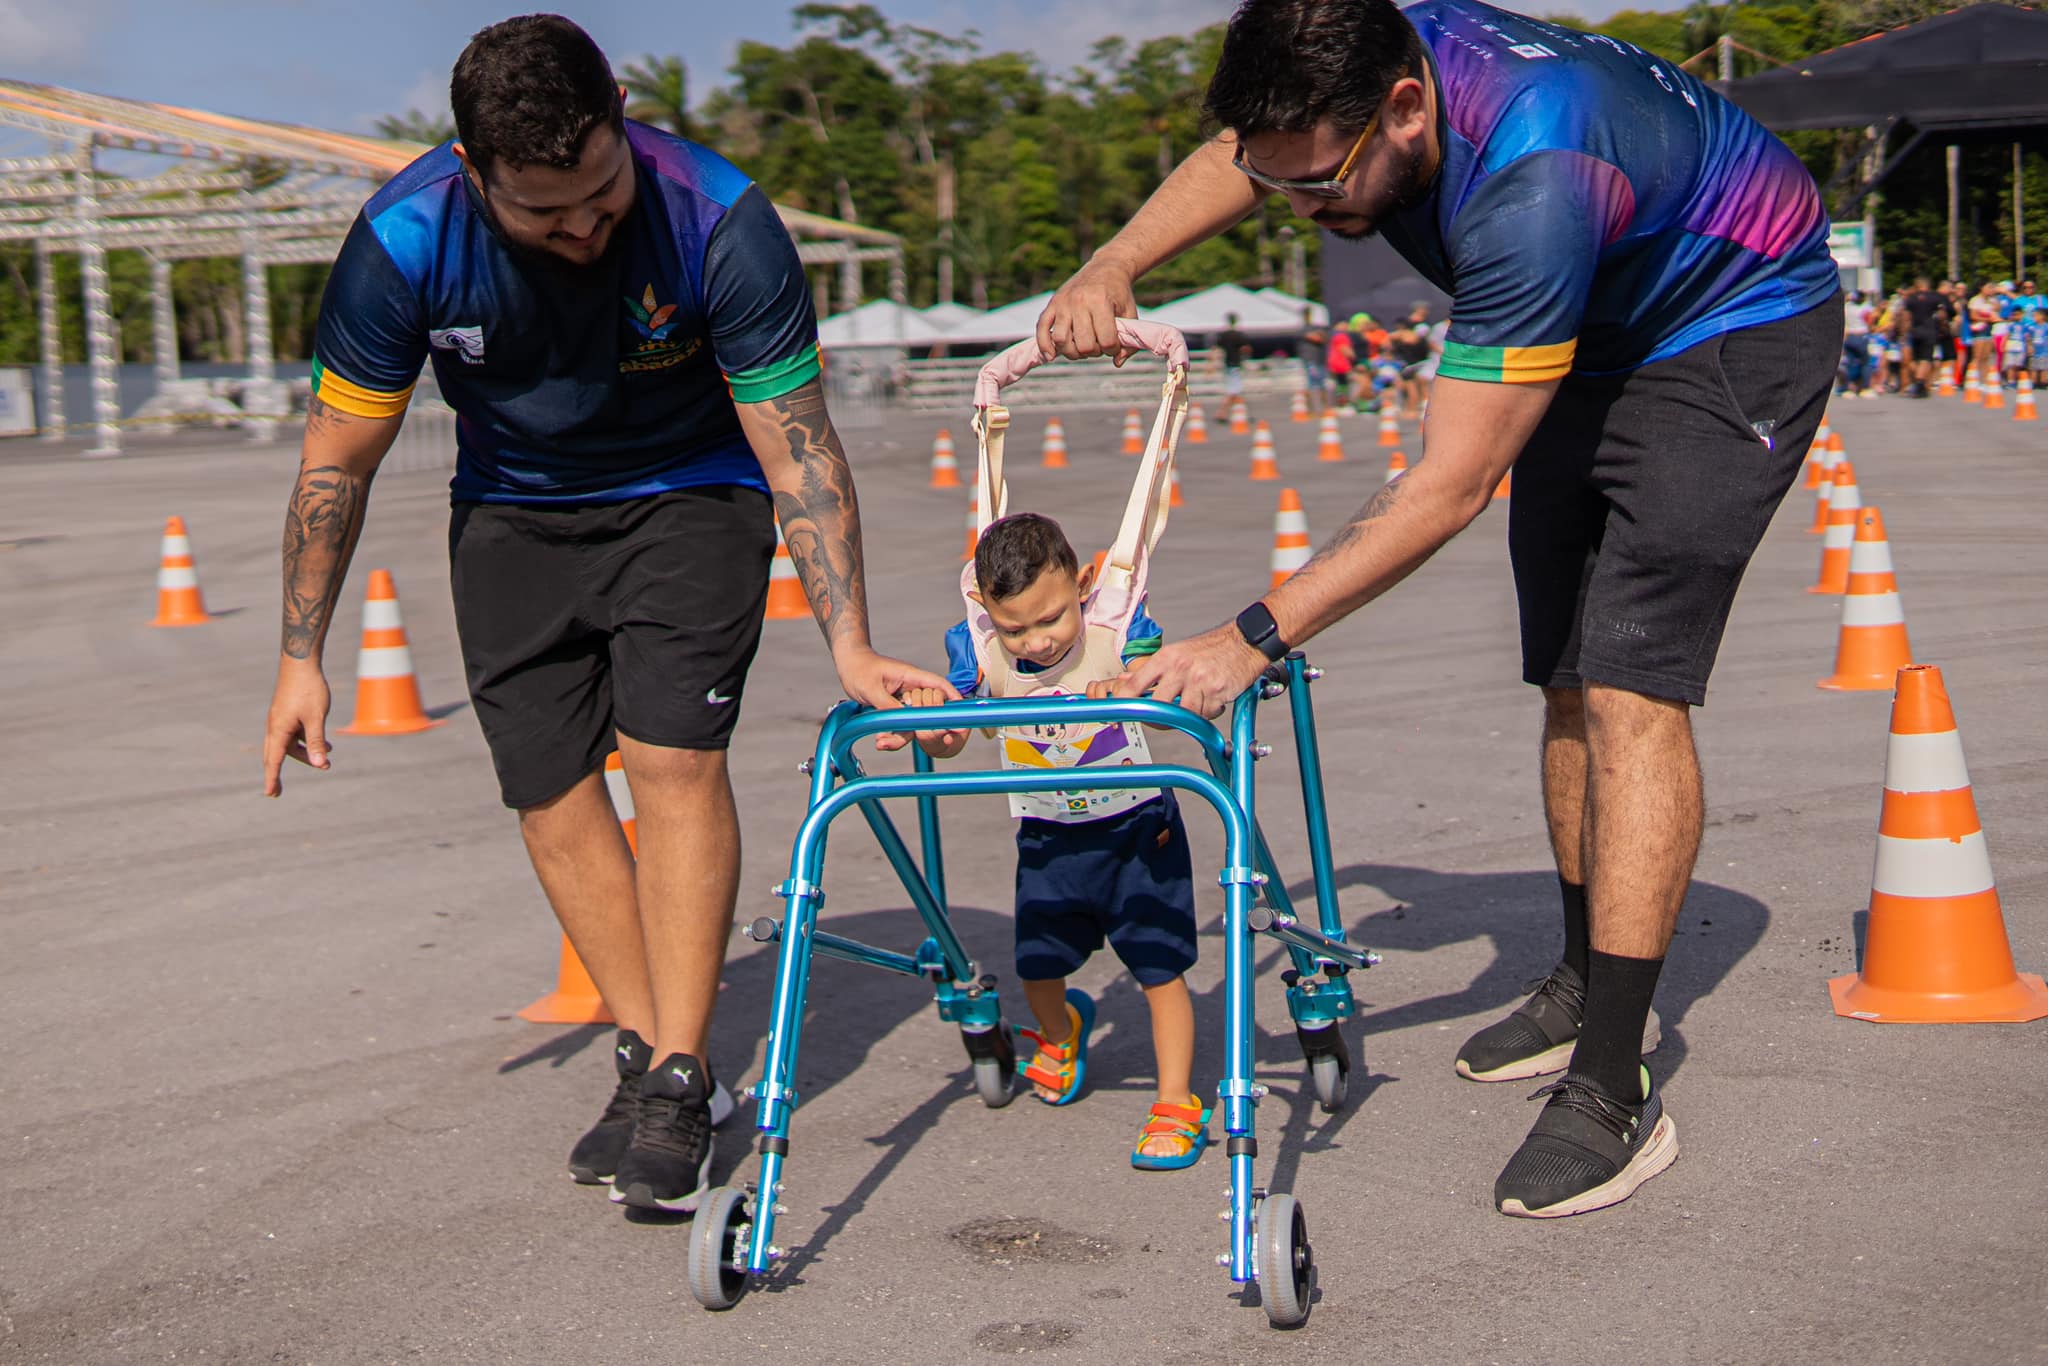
(1359, 363)
(1903, 344)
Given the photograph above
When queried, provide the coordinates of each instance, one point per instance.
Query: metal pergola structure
(195, 184)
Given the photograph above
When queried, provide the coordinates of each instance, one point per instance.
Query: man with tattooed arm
(625, 332)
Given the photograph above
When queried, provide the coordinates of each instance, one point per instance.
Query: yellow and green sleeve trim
(352, 398)
(776, 379)
(1507, 364)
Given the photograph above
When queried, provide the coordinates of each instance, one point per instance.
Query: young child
(1091, 865)
(2037, 347)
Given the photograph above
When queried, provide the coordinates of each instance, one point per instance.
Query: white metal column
(102, 347)
(257, 396)
(163, 320)
(49, 344)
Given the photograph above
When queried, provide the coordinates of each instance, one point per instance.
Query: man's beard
(1410, 187)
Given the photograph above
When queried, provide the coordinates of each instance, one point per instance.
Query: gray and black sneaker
(667, 1166)
(595, 1158)
(1586, 1152)
(1538, 1038)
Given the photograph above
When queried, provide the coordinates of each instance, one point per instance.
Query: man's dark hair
(529, 90)
(1015, 550)
(1288, 65)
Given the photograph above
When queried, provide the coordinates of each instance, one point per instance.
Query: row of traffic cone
(1989, 391)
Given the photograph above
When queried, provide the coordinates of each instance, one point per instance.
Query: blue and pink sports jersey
(575, 386)
(1598, 209)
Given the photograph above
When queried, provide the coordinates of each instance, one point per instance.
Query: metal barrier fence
(948, 385)
(427, 440)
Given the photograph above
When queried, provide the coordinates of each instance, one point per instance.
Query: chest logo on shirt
(466, 342)
(653, 323)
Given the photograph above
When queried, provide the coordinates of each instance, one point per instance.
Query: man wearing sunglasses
(1644, 324)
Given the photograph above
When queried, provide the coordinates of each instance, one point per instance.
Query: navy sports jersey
(1598, 209)
(575, 386)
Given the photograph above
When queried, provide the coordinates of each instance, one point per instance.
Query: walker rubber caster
(994, 1055)
(1329, 1064)
(1283, 1261)
(718, 1243)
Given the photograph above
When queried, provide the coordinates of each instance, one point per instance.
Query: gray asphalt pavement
(263, 1098)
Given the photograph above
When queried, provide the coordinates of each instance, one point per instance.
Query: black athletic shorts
(640, 616)
(1638, 502)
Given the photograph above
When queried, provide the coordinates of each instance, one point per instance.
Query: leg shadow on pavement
(1518, 912)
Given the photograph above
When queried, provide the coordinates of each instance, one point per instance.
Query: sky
(342, 66)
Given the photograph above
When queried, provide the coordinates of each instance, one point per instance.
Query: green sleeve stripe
(777, 379)
(1140, 646)
(1477, 363)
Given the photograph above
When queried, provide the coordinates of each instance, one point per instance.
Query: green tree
(415, 126)
(658, 90)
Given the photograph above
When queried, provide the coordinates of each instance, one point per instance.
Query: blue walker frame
(734, 1237)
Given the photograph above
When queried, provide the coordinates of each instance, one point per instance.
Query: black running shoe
(596, 1155)
(1538, 1038)
(667, 1165)
(1586, 1152)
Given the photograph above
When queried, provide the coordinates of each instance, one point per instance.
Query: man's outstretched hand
(1205, 672)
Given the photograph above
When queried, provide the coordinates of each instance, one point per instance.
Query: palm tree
(660, 91)
(413, 126)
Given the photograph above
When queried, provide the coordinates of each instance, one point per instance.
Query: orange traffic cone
(1504, 487)
(1264, 466)
(1290, 537)
(387, 690)
(1820, 438)
(1329, 444)
(1297, 407)
(1816, 460)
(1844, 502)
(945, 469)
(1390, 427)
(177, 582)
(1873, 646)
(1935, 951)
(786, 600)
(1052, 454)
(1397, 465)
(575, 999)
(1240, 417)
(1173, 498)
(1973, 392)
(1197, 431)
(1134, 434)
(973, 533)
(1947, 388)
(1835, 443)
(2023, 403)
(1823, 493)
(1994, 391)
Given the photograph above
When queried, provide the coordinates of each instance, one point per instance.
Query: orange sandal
(1187, 1125)
(1061, 1067)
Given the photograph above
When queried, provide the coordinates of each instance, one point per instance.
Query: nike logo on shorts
(715, 698)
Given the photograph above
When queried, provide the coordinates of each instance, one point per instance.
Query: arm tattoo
(1378, 506)
(320, 529)
(821, 522)
(322, 417)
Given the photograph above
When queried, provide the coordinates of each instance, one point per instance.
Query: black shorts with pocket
(1639, 500)
(640, 616)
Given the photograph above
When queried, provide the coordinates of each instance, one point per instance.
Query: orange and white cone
(387, 690)
(1820, 438)
(1329, 442)
(1134, 434)
(1240, 417)
(1823, 493)
(1297, 407)
(1947, 387)
(1994, 392)
(1390, 427)
(1872, 647)
(973, 533)
(1264, 465)
(1844, 503)
(1835, 447)
(177, 580)
(1397, 465)
(945, 468)
(1173, 498)
(1936, 950)
(1290, 537)
(1052, 453)
(786, 600)
(1973, 392)
(1504, 487)
(2023, 402)
(575, 999)
(1197, 430)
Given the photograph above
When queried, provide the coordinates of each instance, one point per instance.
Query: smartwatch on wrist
(1260, 631)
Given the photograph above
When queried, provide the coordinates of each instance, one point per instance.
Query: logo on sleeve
(466, 342)
(654, 324)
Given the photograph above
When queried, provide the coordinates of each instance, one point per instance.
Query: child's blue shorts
(1126, 879)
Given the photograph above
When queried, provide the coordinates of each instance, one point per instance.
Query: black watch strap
(1260, 631)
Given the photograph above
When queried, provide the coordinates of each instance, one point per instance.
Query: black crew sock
(1575, 936)
(1610, 1046)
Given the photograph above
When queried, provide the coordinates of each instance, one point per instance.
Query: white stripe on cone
(1932, 868)
(1870, 557)
(384, 661)
(177, 545)
(1290, 522)
(1840, 535)
(1926, 763)
(1872, 609)
(1287, 559)
(177, 576)
(381, 614)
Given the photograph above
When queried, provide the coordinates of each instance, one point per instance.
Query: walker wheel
(1284, 1261)
(1329, 1064)
(718, 1239)
(996, 1083)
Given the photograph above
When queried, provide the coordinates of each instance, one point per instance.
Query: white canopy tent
(882, 322)
(1210, 311)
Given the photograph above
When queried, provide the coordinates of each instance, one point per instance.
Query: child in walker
(1092, 866)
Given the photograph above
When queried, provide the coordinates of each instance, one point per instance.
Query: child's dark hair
(1015, 550)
